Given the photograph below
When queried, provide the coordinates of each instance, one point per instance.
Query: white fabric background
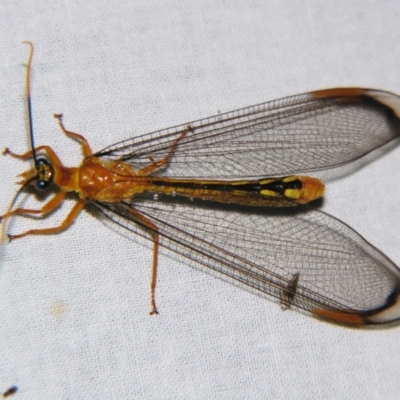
(74, 320)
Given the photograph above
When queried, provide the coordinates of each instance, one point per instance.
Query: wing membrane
(297, 134)
(264, 249)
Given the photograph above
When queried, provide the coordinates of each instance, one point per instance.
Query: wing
(298, 134)
(301, 256)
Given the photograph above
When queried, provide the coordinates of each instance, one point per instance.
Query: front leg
(50, 206)
(71, 217)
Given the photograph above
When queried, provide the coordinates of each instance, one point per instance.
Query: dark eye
(44, 174)
(42, 162)
(41, 185)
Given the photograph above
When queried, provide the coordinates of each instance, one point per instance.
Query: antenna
(28, 95)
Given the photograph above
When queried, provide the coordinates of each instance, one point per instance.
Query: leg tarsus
(154, 311)
(25, 156)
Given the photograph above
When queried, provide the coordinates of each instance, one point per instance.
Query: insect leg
(64, 225)
(25, 156)
(149, 224)
(164, 161)
(87, 151)
(50, 206)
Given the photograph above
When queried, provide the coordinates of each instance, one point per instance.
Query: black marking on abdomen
(278, 186)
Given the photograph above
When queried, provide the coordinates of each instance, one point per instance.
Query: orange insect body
(114, 181)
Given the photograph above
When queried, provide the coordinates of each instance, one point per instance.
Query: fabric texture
(74, 307)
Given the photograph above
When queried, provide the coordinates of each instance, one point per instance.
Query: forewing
(265, 249)
(297, 134)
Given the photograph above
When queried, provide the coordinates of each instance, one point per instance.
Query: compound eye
(42, 185)
(44, 174)
(42, 162)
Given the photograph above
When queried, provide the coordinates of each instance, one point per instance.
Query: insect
(9, 392)
(228, 192)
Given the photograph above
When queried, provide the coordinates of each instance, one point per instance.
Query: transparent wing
(265, 249)
(297, 134)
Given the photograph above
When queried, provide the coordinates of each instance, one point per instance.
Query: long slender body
(116, 181)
